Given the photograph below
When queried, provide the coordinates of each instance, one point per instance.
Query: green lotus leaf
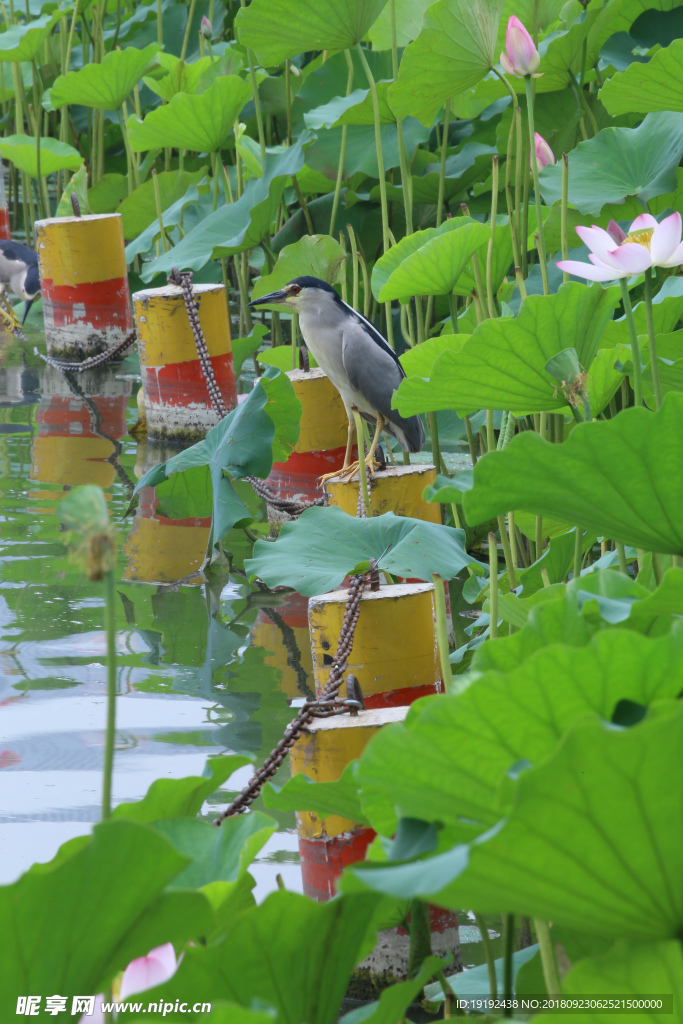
(23, 42)
(200, 123)
(54, 155)
(657, 85)
(276, 30)
(105, 85)
(618, 478)
(175, 75)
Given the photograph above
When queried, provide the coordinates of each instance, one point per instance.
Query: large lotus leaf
(620, 162)
(356, 108)
(619, 478)
(276, 30)
(23, 42)
(454, 50)
(437, 265)
(316, 552)
(319, 255)
(105, 85)
(501, 263)
(390, 263)
(216, 854)
(199, 123)
(175, 798)
(502, 365)
(446, 762)
(176, 75)
(418, 361)
(361, 150)
(262, 429)
(236, 226)
(409, 17)
(657, 85)
(261, 958)
(138, 210)
(630, 969)
(54, 155)
(95, 922)
(593, 840)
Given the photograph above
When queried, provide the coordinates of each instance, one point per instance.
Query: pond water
(202, 670)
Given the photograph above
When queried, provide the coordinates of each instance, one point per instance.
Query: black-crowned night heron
(18, 274)
(356, 358)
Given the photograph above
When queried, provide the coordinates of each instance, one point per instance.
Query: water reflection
(202, 669)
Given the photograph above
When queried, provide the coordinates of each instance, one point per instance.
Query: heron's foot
(347, 472)
(9, 318)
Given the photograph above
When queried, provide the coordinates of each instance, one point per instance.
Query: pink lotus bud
(520, 56)
(206, 28)
(544, 154)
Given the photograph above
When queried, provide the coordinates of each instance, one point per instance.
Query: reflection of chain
(93, 361)
(328, 704)
(289, 505)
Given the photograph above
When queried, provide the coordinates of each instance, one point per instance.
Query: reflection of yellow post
(84, 283)
(397, 489)
(157, 549)
(394, 653)
(177, 400)
(282, 632)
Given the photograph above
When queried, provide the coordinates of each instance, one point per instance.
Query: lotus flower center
(641, 237)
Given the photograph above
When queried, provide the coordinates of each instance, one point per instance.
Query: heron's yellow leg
(347, 457)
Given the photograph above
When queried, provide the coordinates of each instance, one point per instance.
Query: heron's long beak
(278, 296)
(27, 306)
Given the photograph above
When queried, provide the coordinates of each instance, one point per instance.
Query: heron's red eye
(294, 290)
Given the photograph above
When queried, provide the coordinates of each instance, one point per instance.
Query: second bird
(355, 357)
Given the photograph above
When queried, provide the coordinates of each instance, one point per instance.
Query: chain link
(93, 361)
(184, 281)
(326, 705)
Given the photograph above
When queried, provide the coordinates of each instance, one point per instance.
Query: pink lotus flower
(206, 28)
(544, 154)
(615, 255)
(520, 56)
(147, 971)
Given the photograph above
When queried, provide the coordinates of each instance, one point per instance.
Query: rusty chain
(93, 361)
(184, 281)
(328, 704)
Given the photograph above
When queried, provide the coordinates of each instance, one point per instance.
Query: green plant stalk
(257, 107)
(362, 468)
(453, 309)
(537, 192)
(186, 37)
(519, 153)
(508, 194)
(652, 340)
(295, 341)
(508, 939)
(677, 561)
(470, 440)
(524, 230)
(493, 586)
(578, 544)
(488, 953)
(621, 555)
(288, 101)
(406, 179)
(129, 154)
(635, 347)
(157, 201)
(490, 432)
(442, 628)
(160, 27)
(110, 625)
(378, 144)
(214, 177)
(548, 962)
(481, 291)
(433, 428)
(507, 552)
(657, 567)
(583, 102)
(342, 149)
(564, 239)
(242, 278)
(513, 538)
(367, 292)
(354, 265)
(304, 205)
(420, 936)
(492, 239)
(539, 536)
(442, 163)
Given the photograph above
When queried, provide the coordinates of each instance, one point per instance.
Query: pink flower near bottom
(615, 255)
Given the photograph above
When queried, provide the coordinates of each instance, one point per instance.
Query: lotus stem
(442, 164)
(508, 193)
(288, 101)
(489, 251)
(378, 144)
(507, 552)
(488, 953)
(509, 942)
(578, 551)
(548, 962)
(537, 191)
(406, 179)
(354, 265)
(110, 625)
(621, 555)
(493, 586)
(453, 309)
(652, 340)
(657, 567)
(564, 242)
(186, 37)
(442, 628)
(257, 107)
(470, 440)
(157, 200)
(635, 347)
(342, 149)
(490, 432)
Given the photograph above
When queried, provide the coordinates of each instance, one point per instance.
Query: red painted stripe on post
(5, 231)
(324, 859)
(182, 384)
(100, 304)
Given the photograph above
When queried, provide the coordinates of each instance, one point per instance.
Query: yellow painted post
(177, 401)
(394, 653)
(84, 283)
(397, 489)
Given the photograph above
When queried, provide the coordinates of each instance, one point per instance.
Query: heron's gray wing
(376, 373)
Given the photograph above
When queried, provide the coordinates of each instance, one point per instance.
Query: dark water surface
(200, 671)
